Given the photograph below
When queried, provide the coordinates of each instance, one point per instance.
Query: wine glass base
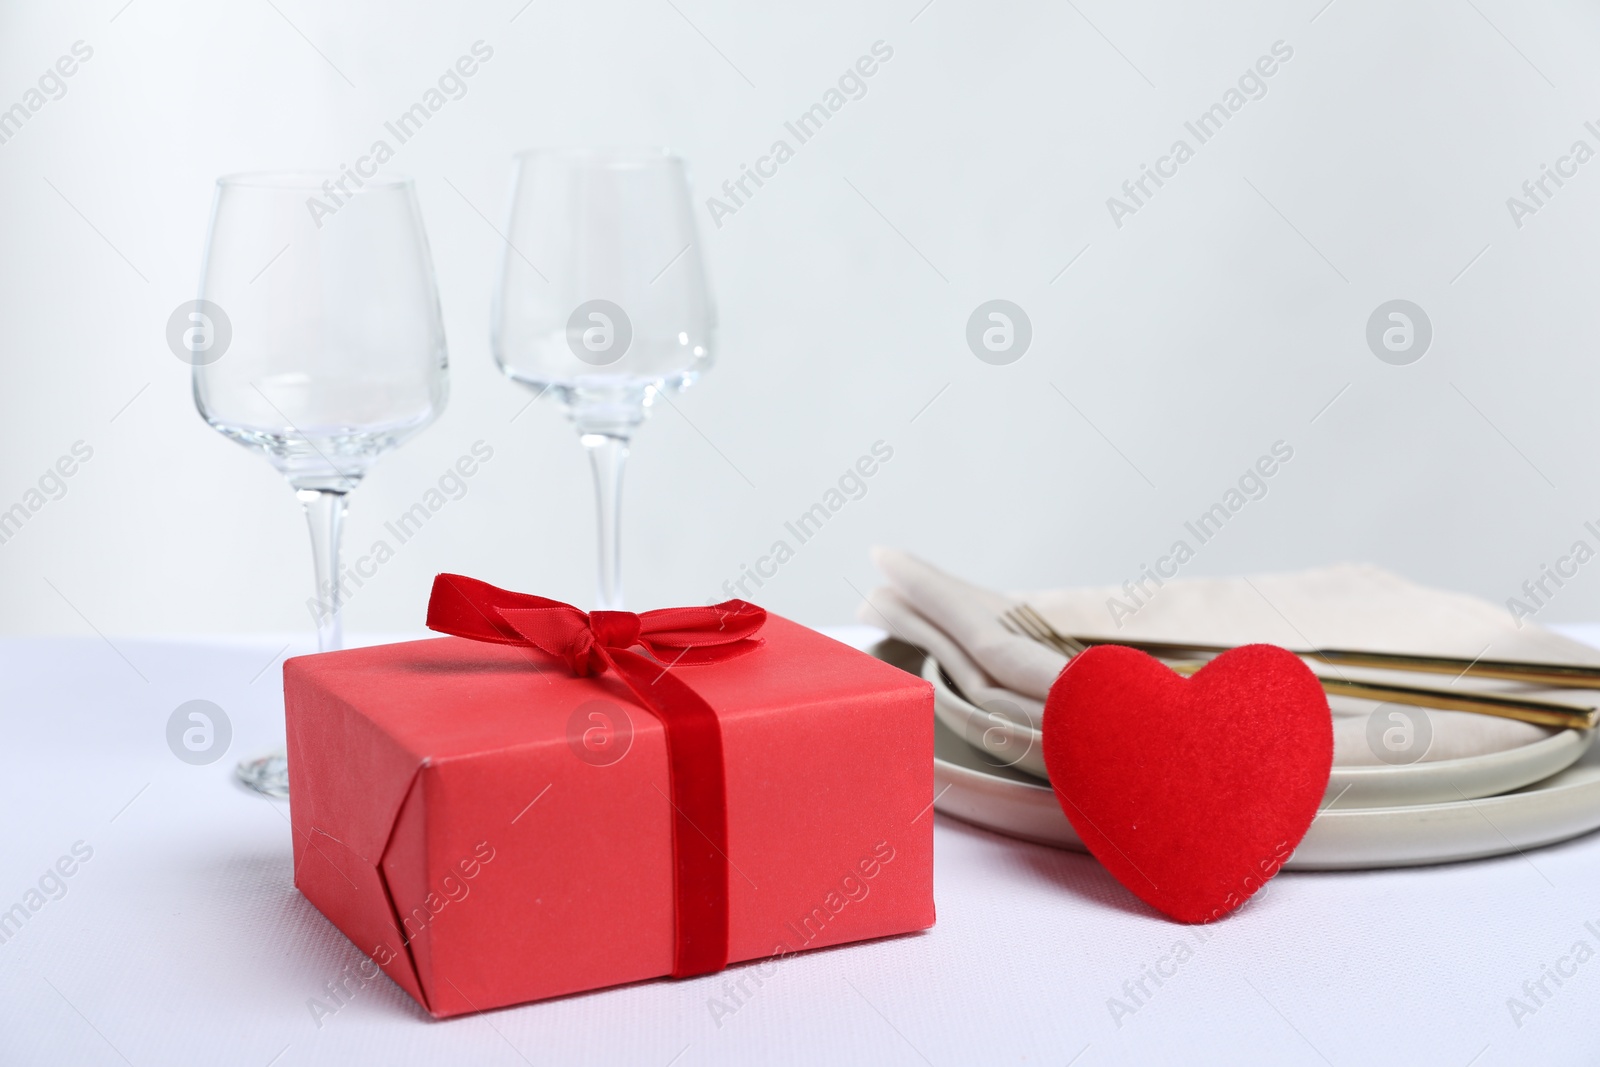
(268, 775)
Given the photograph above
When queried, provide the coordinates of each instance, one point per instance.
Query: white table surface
(182, 940)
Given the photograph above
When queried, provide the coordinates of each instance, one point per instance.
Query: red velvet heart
(1192, 792)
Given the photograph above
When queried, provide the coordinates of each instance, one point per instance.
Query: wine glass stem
(325, 517)
(607, 455)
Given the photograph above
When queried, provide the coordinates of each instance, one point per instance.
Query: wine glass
(317, 340)
(601, 301)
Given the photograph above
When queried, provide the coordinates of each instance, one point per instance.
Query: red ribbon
(696, 781)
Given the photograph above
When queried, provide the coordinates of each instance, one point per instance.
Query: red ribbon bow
(696, 781)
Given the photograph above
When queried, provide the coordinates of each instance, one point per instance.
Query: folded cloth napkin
(1353, 606)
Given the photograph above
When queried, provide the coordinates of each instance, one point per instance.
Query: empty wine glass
(317, 340)
(601, 301)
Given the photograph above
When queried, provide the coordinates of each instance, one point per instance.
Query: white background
(1224, 316)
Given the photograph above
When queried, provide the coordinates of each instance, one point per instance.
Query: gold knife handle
(1553, 675)
(1542, 712)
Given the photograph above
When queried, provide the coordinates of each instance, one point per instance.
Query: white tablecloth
(181, 939)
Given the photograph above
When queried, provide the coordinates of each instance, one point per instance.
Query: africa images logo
(999, 332)
(851, 85)
(406, 126)
(1251, 85)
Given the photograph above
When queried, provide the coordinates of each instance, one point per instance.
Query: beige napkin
(1341, 606)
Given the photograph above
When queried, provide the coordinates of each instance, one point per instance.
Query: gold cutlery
(1026, 622)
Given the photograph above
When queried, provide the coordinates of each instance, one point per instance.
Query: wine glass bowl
(601, 302)
(337, 352)
(590, 226)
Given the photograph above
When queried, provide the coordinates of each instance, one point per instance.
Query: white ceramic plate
(1000, 739)
(1007, 740)
(1563, 806)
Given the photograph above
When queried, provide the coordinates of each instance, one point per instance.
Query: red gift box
(492, 828)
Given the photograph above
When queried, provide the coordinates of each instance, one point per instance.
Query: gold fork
(1024, 621)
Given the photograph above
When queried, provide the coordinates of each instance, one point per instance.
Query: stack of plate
(989, 770)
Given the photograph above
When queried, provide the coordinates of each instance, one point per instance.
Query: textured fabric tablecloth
(180, 939)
